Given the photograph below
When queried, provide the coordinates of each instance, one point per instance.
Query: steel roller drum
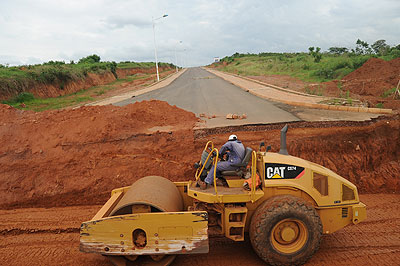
(162, 196)
(155, 191)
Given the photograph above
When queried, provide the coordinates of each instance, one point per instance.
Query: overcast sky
(121, 30)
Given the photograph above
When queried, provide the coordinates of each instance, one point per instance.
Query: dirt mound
(369, 83)
(374, 77)
(55, 154)
(76, 157)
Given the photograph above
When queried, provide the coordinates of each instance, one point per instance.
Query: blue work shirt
(236, 151)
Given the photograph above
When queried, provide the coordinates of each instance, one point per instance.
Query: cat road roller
(285, 208)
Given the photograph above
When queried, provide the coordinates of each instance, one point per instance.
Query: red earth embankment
(57, 88)
(373, 82)
(374, 77)
(92, 79)
(75, 157)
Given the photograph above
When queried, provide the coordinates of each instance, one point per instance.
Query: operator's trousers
(221, 166)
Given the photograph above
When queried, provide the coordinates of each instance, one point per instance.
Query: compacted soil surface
(50, 236)
(58, 168)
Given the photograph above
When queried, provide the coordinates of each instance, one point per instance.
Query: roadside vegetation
(27, 101)
(17, 81)
(314, 66)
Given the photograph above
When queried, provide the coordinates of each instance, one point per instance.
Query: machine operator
(235, 153)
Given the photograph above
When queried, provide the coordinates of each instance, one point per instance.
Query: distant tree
(395, 51)
(380, 47)
(90, 59)
(316, 54)
(54, 63)
(338, 50)
(362, 47)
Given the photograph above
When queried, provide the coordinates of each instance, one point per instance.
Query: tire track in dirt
(46, 249)
(14, 232)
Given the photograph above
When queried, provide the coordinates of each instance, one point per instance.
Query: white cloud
(120, 22)
(42, 30)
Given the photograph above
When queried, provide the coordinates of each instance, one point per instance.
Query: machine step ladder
(235, 222)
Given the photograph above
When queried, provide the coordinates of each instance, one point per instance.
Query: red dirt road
(40, 236)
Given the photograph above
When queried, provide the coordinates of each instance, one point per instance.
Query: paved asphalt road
(201, 92)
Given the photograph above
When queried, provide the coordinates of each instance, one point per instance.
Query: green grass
(128, 79)
(18, 81)
(298, 65)
(100, 92)
(15, 80)
(135, 65)
(388, 93)
(314, 91)
(27, 101)
(128, 64)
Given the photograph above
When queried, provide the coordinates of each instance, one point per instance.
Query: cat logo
(276, 172)
(283, 171)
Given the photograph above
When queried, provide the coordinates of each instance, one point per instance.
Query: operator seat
(241, 170)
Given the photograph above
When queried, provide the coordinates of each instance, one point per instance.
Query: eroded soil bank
(75, 157)
(49, 90)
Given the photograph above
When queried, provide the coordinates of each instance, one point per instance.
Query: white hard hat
(232, 137)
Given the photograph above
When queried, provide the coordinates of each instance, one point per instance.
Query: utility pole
(176, 58)
(155, 45)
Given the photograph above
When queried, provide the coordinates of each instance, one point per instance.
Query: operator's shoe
(219, 182)
(203, 185)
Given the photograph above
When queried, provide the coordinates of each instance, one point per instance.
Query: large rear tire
(285, 230)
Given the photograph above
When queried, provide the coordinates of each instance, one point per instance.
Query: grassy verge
(129, 64)
(298, 65)
(304, 66)
(18, 79)
(27, 101)
(57, 73)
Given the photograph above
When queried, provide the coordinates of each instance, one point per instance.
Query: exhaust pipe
(283, 149)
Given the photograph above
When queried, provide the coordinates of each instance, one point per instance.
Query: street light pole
(184, 57)
(176, 58)
(155, 46)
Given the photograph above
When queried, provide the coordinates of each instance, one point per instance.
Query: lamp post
(155, 46)
(176, 58)
(184, 58)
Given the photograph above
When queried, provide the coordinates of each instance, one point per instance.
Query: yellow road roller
(282, 203)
